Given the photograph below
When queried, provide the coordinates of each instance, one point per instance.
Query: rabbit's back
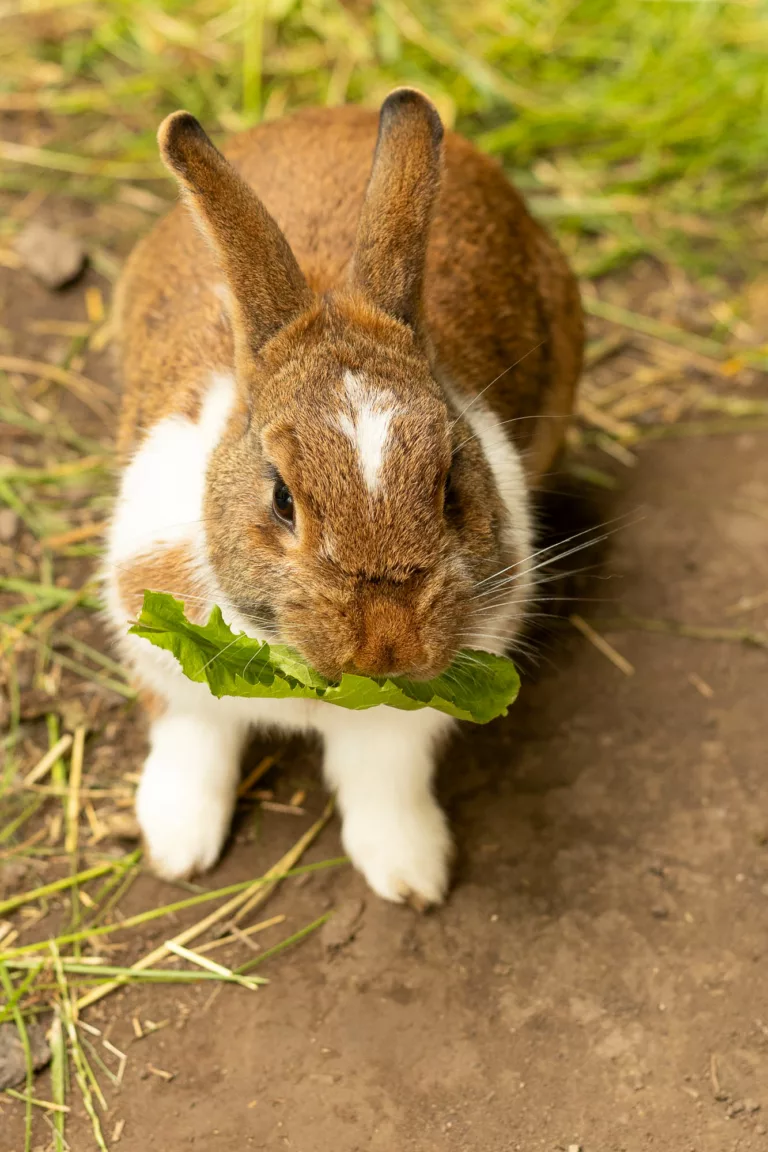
(500, 299)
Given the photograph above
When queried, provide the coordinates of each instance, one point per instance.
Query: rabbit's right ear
(266, 285)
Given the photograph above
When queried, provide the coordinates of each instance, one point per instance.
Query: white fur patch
(162, 489)
(509, 475)
(160, 505)
(366, 423)
(381, 764)
(507, 468)
(187, 790)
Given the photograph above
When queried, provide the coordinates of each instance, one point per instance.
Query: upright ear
(392, 235)
(266, 284)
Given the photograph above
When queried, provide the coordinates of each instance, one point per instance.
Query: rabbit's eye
(282, 502)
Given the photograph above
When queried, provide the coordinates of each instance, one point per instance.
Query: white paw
(185, 799)
(404, 853)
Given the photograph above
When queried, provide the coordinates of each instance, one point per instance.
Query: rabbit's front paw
(184, 827)
(404, 853)
(186, 796)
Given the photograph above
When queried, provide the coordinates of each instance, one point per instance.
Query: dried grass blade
(252, 895)
(253, 777)
(166, 910)
(75, 780)
(68, 1014)
(602, 645)
(240, 934)
(211, 966)
(46, 762)
(75, 535)
(49, 1105)
(76, 878)
(275, 873)
(658, 329)
(95, 396)
(58, 1078)
(287, 943)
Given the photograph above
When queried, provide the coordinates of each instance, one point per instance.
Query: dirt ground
(599, 976)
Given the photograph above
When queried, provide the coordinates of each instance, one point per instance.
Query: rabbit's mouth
(390, 647)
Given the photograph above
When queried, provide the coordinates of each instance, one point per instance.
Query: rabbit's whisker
(551, 547)
(502, 439)
(543, 563)
(495, 381)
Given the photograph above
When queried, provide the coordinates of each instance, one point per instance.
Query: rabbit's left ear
(392, 234)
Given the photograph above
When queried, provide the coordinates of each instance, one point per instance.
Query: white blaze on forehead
(366, 422)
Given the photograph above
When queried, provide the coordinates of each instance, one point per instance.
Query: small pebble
(53, 257)
(13, 1067)
(9, 525)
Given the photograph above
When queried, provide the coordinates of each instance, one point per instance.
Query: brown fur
(267, 287)
(172, 570)
(337, 270)
(153, 705)
(393, 229)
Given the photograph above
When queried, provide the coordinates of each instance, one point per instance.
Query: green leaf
(478, 686)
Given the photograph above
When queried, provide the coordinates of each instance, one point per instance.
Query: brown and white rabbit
(347, 359)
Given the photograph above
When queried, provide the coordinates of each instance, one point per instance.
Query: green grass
(638, 126)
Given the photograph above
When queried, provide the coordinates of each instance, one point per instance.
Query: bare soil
(599, 976)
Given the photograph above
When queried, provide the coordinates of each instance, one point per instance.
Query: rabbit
(348, 357)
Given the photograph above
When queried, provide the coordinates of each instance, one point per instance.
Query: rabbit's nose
(388, 644)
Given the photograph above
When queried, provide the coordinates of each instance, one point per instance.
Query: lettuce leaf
(478, 686)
